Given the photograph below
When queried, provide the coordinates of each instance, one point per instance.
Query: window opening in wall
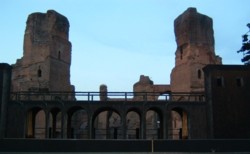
(39, 72)
(181, 51)
(220, 81)
(239, 82)
(199, 74)
(59, 55)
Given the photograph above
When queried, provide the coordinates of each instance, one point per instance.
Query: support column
(69, 131)
(47, 124)
(124, 125)
(5, 83)
(165, 119)
(63, 125)
(90, 127)
(53, 135)
(143, 126)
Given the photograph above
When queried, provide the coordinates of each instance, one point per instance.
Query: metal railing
(109, 96)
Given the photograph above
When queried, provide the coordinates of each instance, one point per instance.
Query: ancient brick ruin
(195, 49)
(151, 111)
(45, 65)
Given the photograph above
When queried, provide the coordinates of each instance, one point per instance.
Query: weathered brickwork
(45, 65)
(149, 112)
(195, 49)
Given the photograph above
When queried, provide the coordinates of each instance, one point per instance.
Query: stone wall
(45, 65)
(227, 93)
(195, 49)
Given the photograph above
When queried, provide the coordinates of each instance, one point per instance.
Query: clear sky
(115, 41)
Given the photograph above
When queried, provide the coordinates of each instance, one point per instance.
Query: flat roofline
(226, 67)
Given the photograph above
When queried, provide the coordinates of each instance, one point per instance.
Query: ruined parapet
(103, 92)
(145, 89)
(45, 65)
(195, 49)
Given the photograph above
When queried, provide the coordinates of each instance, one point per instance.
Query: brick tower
(45, 65)
(195, 49)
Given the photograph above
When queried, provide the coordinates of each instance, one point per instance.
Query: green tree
(245, 49)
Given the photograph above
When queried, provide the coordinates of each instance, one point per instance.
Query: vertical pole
(5, 82)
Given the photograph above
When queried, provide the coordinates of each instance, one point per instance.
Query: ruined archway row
(105, 120)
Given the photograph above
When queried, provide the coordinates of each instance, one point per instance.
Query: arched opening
(40, 124)
(133, 125)
(55, 125)
(153, 125)
(107, 125)
(39, 72)
(199, 74)
(35, 123)
(77, 123)
(59, 55)
(179, 124)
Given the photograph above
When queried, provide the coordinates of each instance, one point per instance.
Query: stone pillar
(5, 81)
(165, 125)
(47, 119)
(63, 125)
(143, 126)
(53, 134)
(103, 92)
(90, 131)
(124, 125)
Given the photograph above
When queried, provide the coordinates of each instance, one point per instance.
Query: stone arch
(107, 124)
(77, 123)
(154, 123)
(35, 123)
(133, 123)
(179, 127)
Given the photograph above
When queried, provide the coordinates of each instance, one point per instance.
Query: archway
(40, 124)
(107, 125)
(179, 124)
(35, 123)
(133, 124)
(77, 123)
(154, 124)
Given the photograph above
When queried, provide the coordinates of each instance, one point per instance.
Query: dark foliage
(245, 49)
